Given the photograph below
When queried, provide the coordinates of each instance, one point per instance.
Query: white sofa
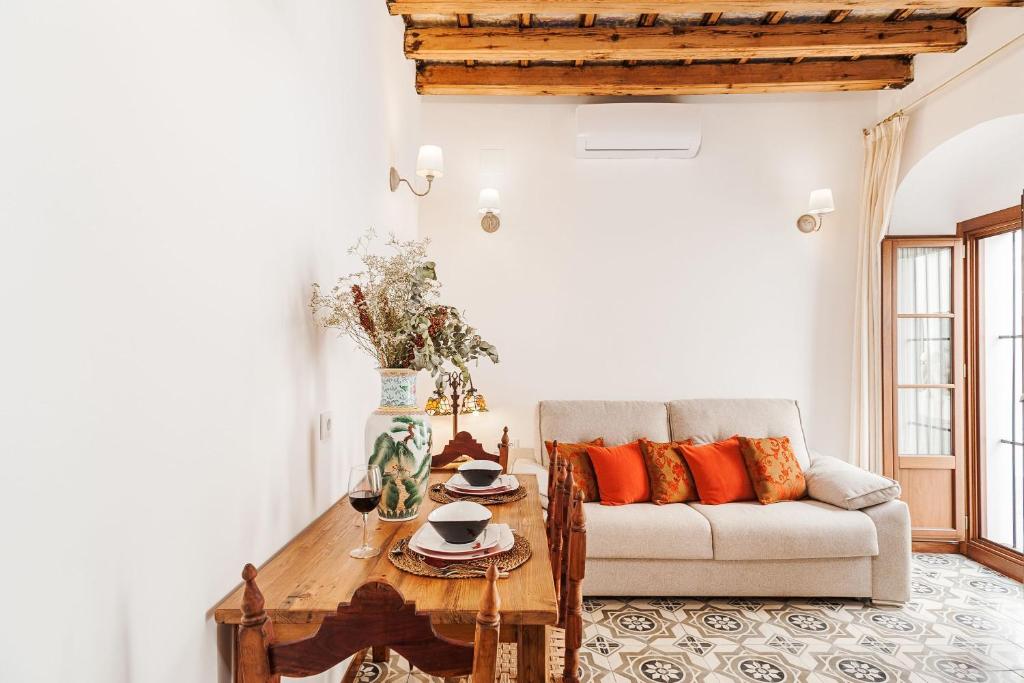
(801, 548)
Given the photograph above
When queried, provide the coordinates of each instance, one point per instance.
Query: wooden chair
(378, 615)
(571, 598)
(464, 444)
(566, 641)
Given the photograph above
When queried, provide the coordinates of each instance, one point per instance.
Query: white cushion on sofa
(788, 530)
(706, 420)
(839, 483)
(618, 422)
(647, 531)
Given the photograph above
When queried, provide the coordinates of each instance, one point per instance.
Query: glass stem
(366, 517)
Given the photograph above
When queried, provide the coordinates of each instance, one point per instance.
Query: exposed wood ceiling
(673, 47)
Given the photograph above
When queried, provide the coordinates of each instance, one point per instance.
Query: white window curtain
(883, 147)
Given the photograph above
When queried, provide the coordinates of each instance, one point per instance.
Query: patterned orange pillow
(773, 468)
(582, 470)
(671, 481)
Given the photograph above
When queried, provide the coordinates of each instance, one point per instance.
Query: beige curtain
(883, 146)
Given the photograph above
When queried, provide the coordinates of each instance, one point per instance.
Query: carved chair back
(378, 615)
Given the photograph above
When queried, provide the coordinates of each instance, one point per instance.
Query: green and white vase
(398, 440)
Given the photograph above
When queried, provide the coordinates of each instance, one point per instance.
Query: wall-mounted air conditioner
(638, 130)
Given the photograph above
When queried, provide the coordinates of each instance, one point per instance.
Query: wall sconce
(818, 205)
(489, 205)
(429, 165)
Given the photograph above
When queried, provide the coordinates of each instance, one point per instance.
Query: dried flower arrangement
(391, 310)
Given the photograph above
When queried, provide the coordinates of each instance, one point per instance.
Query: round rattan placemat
(439, 494)
(411, 561)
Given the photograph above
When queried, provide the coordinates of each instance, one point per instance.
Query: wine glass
(364, 491)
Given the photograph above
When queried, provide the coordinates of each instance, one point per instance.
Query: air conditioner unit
(637, 131)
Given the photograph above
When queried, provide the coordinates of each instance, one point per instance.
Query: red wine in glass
(364, 491)
(364, 501)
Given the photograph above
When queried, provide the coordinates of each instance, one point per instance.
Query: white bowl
(480, 472)
(460, 522)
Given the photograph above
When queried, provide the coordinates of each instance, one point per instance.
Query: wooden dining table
(311, 575)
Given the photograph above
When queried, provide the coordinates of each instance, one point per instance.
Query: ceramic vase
(398, 440)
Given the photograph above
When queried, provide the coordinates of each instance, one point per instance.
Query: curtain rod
(940, 86)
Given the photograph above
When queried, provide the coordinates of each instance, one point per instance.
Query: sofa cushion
(719, 472)
(670, 477)
(618, 422)
(582, 470)
(791, 530)
(707, 420)
(647, 531)
(621, 474)
(773, 469)
(839, 483)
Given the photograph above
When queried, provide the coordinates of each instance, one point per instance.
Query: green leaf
(383, 450)
(390, 494)
(406, 460)
(413, 489)
(424, 469)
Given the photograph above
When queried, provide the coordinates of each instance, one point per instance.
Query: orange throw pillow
(582, 472)
(621, 474)
(773, 468)
(671, 481)
(719, 471)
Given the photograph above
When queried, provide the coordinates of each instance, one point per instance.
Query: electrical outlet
(326, 426)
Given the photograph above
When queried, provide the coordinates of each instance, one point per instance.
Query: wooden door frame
(925, 539)
(998, 557)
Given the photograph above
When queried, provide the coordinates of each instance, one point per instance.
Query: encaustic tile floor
(964, 623)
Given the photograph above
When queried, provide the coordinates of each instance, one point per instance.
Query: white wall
(973, 173)
(172, 178)
(995, 89)
(654, 279)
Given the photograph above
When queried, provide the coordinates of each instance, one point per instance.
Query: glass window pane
(925, 351)
(925, 421)
(923, 279)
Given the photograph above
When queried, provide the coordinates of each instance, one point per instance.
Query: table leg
(532, 654)
(227, 653)
(381, 653)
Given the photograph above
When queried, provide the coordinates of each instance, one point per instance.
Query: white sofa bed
(811, 547)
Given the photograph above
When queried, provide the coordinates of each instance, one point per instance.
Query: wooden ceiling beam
(964, 12)
(662, 79)
(465, 21)
(659, 6)
(586, 21)
(525, 21)
(778, 41)
(901, 14)
(645, 20)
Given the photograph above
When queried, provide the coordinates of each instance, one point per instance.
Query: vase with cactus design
(398, 440)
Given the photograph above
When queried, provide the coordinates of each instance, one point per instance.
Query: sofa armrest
(847, 486)
(525, 466)
(890, 569)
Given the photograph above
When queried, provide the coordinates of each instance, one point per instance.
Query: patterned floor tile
(964, 624)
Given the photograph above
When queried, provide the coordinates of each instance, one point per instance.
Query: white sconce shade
(821, 202)
(430, 162)
(489, 201)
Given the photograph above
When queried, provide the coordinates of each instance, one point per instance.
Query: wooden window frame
(925, 539)
(974, 546)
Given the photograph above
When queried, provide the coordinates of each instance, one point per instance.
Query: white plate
(503, 484)
(428, 539)
(505, 542)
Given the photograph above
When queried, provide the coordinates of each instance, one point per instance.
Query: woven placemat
(411, 561)
(439, 494)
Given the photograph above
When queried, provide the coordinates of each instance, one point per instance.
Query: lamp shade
(430, 161)
(489, 201)
(821, 202)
